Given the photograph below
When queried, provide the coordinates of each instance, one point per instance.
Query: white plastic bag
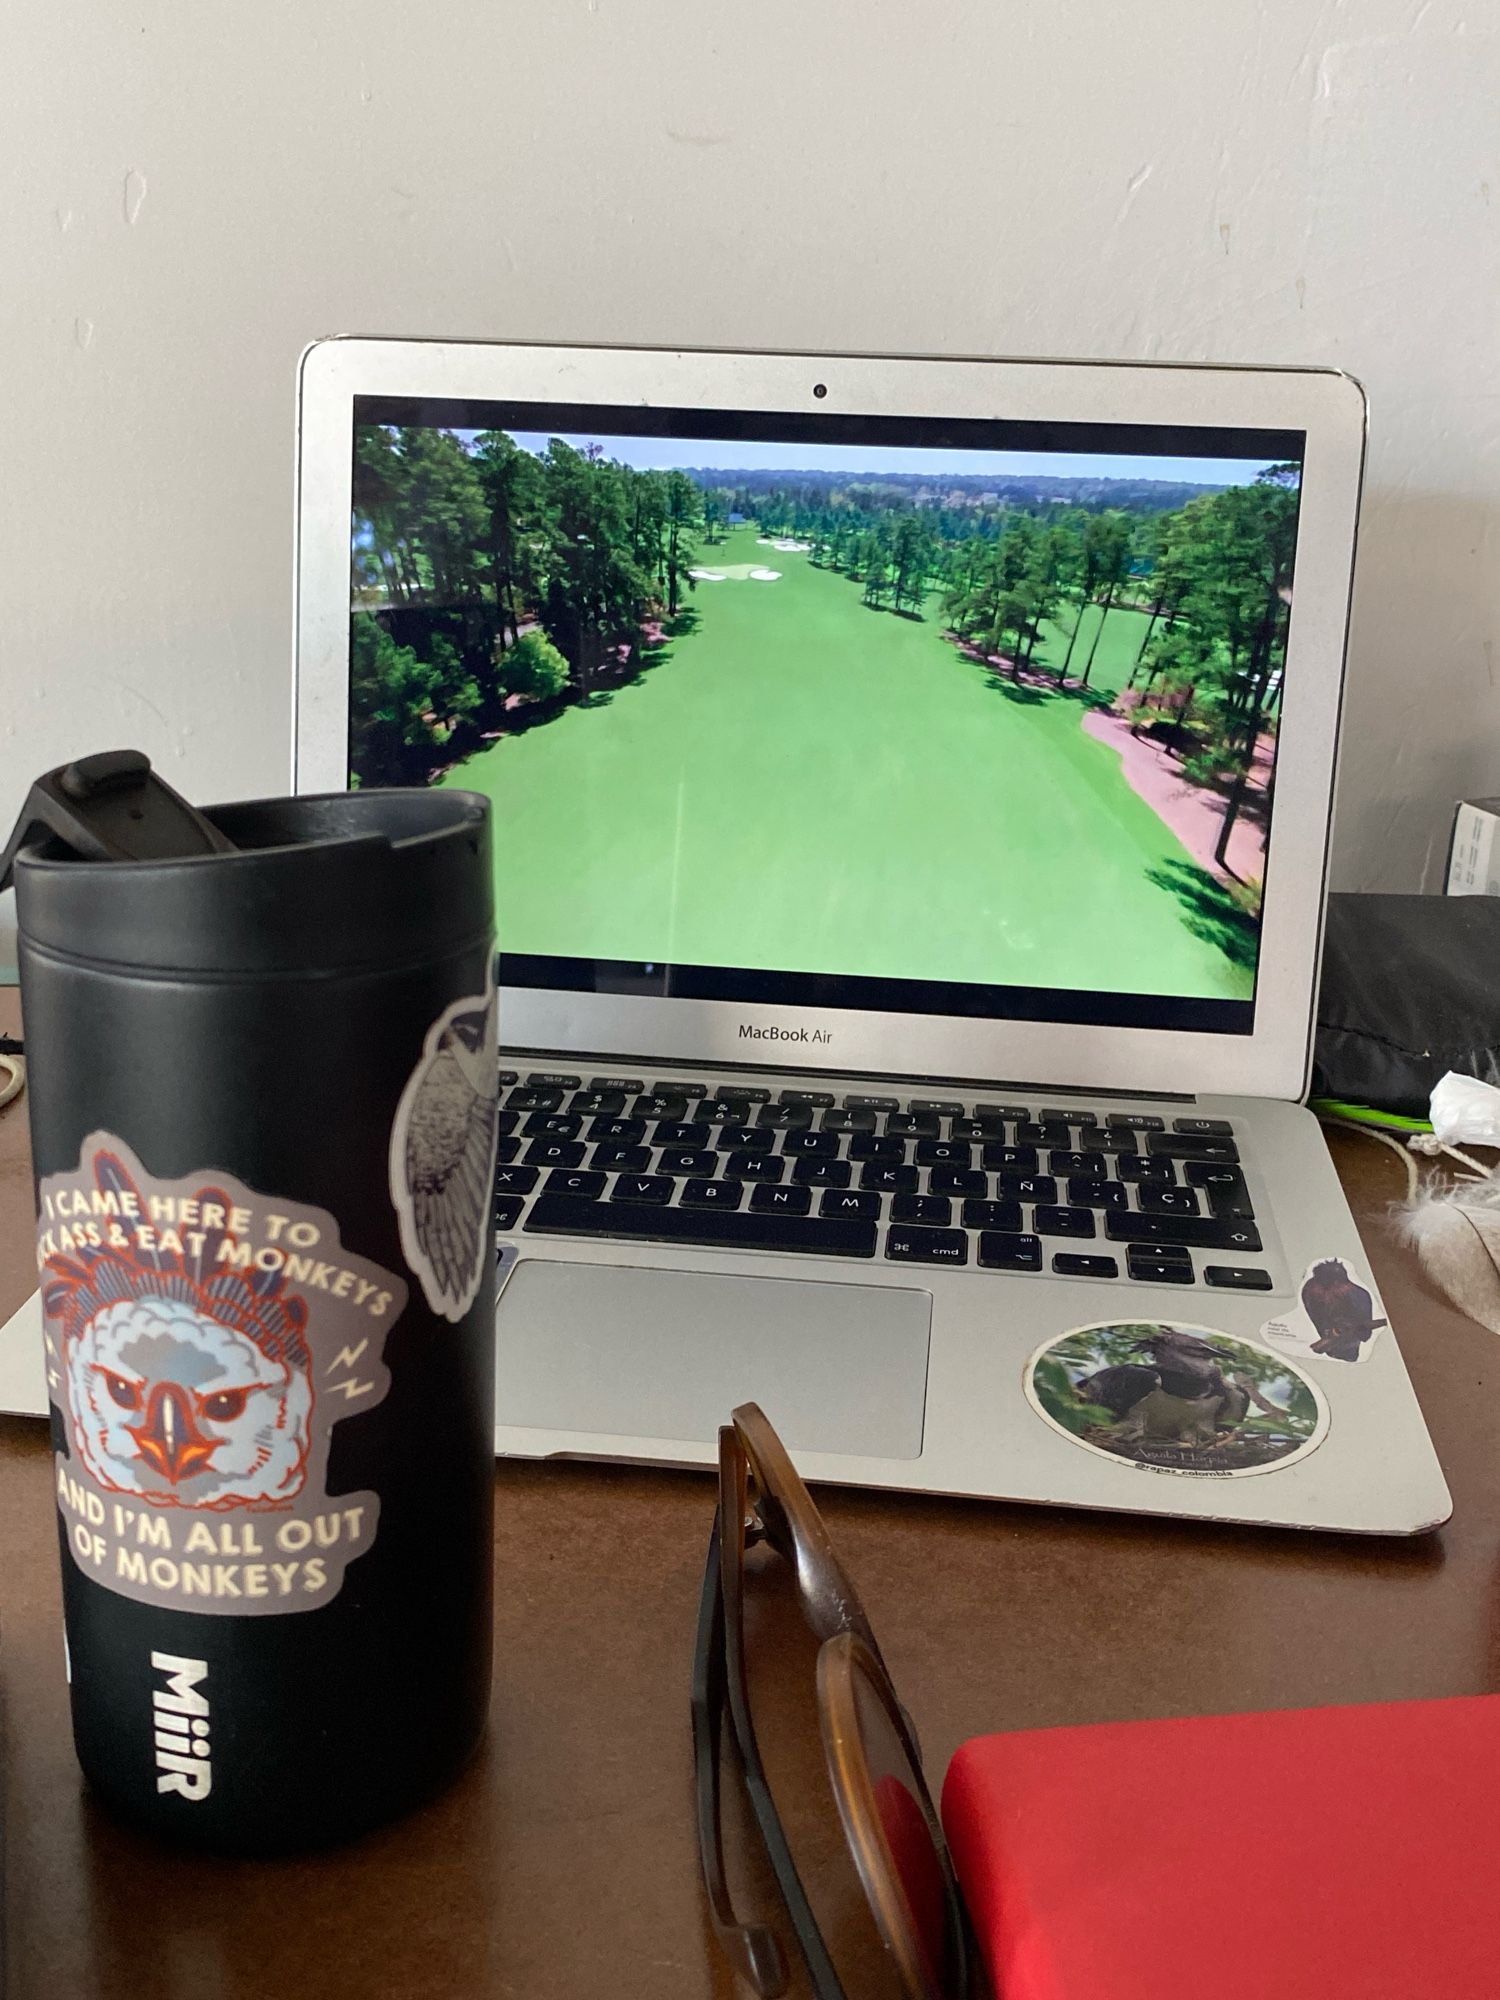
(1465, 1112)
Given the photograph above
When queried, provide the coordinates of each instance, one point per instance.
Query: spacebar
(828, 1236)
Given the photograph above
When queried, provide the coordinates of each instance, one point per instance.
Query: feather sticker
(442, 1154)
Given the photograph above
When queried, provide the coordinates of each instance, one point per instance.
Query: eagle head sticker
(201, 1342)
(442, 1163)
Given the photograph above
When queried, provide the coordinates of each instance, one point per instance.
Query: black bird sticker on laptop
(1334, 1318)
(442, 1158)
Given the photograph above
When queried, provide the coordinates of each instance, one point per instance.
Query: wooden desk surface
(564, 1862)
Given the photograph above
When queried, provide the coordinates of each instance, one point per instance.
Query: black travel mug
(263, 1088)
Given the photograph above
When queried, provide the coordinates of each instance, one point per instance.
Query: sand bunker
(736, 573)
(706, 575)
(786, 545)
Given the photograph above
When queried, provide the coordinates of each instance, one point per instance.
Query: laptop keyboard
(1079, 1192)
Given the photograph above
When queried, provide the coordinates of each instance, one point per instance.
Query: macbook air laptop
(910, 786)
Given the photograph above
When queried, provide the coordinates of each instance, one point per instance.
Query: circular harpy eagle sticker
(442, 1158)
(1173, 1398)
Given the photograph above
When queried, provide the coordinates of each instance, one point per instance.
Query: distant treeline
(493, 586)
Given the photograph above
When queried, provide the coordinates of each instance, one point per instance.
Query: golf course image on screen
(1002, 719)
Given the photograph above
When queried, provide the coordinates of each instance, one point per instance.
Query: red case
(1346, 1852)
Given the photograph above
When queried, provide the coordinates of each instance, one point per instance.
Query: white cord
(1413, 1178)
(15, 1081)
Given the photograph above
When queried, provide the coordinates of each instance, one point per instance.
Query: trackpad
(634, 1352)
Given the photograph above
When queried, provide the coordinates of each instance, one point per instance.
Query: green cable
(1361, 1114)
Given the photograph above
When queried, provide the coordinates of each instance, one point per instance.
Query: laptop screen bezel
(1328, 408)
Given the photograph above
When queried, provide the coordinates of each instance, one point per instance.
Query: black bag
(1411, 989)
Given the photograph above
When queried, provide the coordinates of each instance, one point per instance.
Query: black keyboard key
(911, 1125)
(1201, 1232)
(1167, 1200)
(507, 1211)
(677, 1132)
(811, 1145)
(739, 1139)
(1026, 1187)
(553, 1079)
(906, 1244)
(858, 1103)
(672, 1087)
(945, 1107)
(1136, 1121)
(1038, 1132)
(1223, 1188)
(755, 1166)
(1087, 1191)
(820, 1235)
(882, 1177)
(930, 1208)
(527, 1099)
(1149, 1268)
(515, 1180)
(869, 1146)
(1204, 1128)
(976, 1128)
(818, 1100)
(851, 1206)
(620, 1131)
(712, 1194)
(1237, 1277)
(722, 1111)
(1011, 1159)
(507, 1076)
(597, 1103)
(1014, 1112)
(680, 1161)
(581, 1181)
(785, 1117)
(1174, 1146)
(1001, 1252)
(631, 1085)
(1050, 1220)
(1102, 1139)
(991, 1214)
(621, 1159)
(506, 1122)
(552, 1125)
(853, 1118)
(781, 1200)
(1136, 1167)
(555, 1153)
(507, 1149)
(957, 1180)
(658, 1104)
(1068, 1265)
(1067, 1114)
(751, 1093)
(943, 1153)
(1063, 1162)
(652, 1188)
(822, 1173)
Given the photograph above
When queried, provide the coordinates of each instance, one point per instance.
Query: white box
(1474, 850)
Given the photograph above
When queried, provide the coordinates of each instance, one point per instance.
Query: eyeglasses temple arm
(751, 1948)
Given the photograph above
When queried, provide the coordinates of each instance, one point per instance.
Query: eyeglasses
(873, 1758)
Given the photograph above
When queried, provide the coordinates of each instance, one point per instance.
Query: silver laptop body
(911, 787)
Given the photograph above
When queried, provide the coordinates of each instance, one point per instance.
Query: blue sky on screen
(731, 455)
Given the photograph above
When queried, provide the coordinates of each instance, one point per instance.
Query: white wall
(196, 190)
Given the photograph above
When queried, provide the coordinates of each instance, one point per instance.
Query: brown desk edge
(563, 1863)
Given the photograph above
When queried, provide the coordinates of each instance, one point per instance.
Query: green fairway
(800, 783)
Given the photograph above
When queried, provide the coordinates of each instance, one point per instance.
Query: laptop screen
(947, 717)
